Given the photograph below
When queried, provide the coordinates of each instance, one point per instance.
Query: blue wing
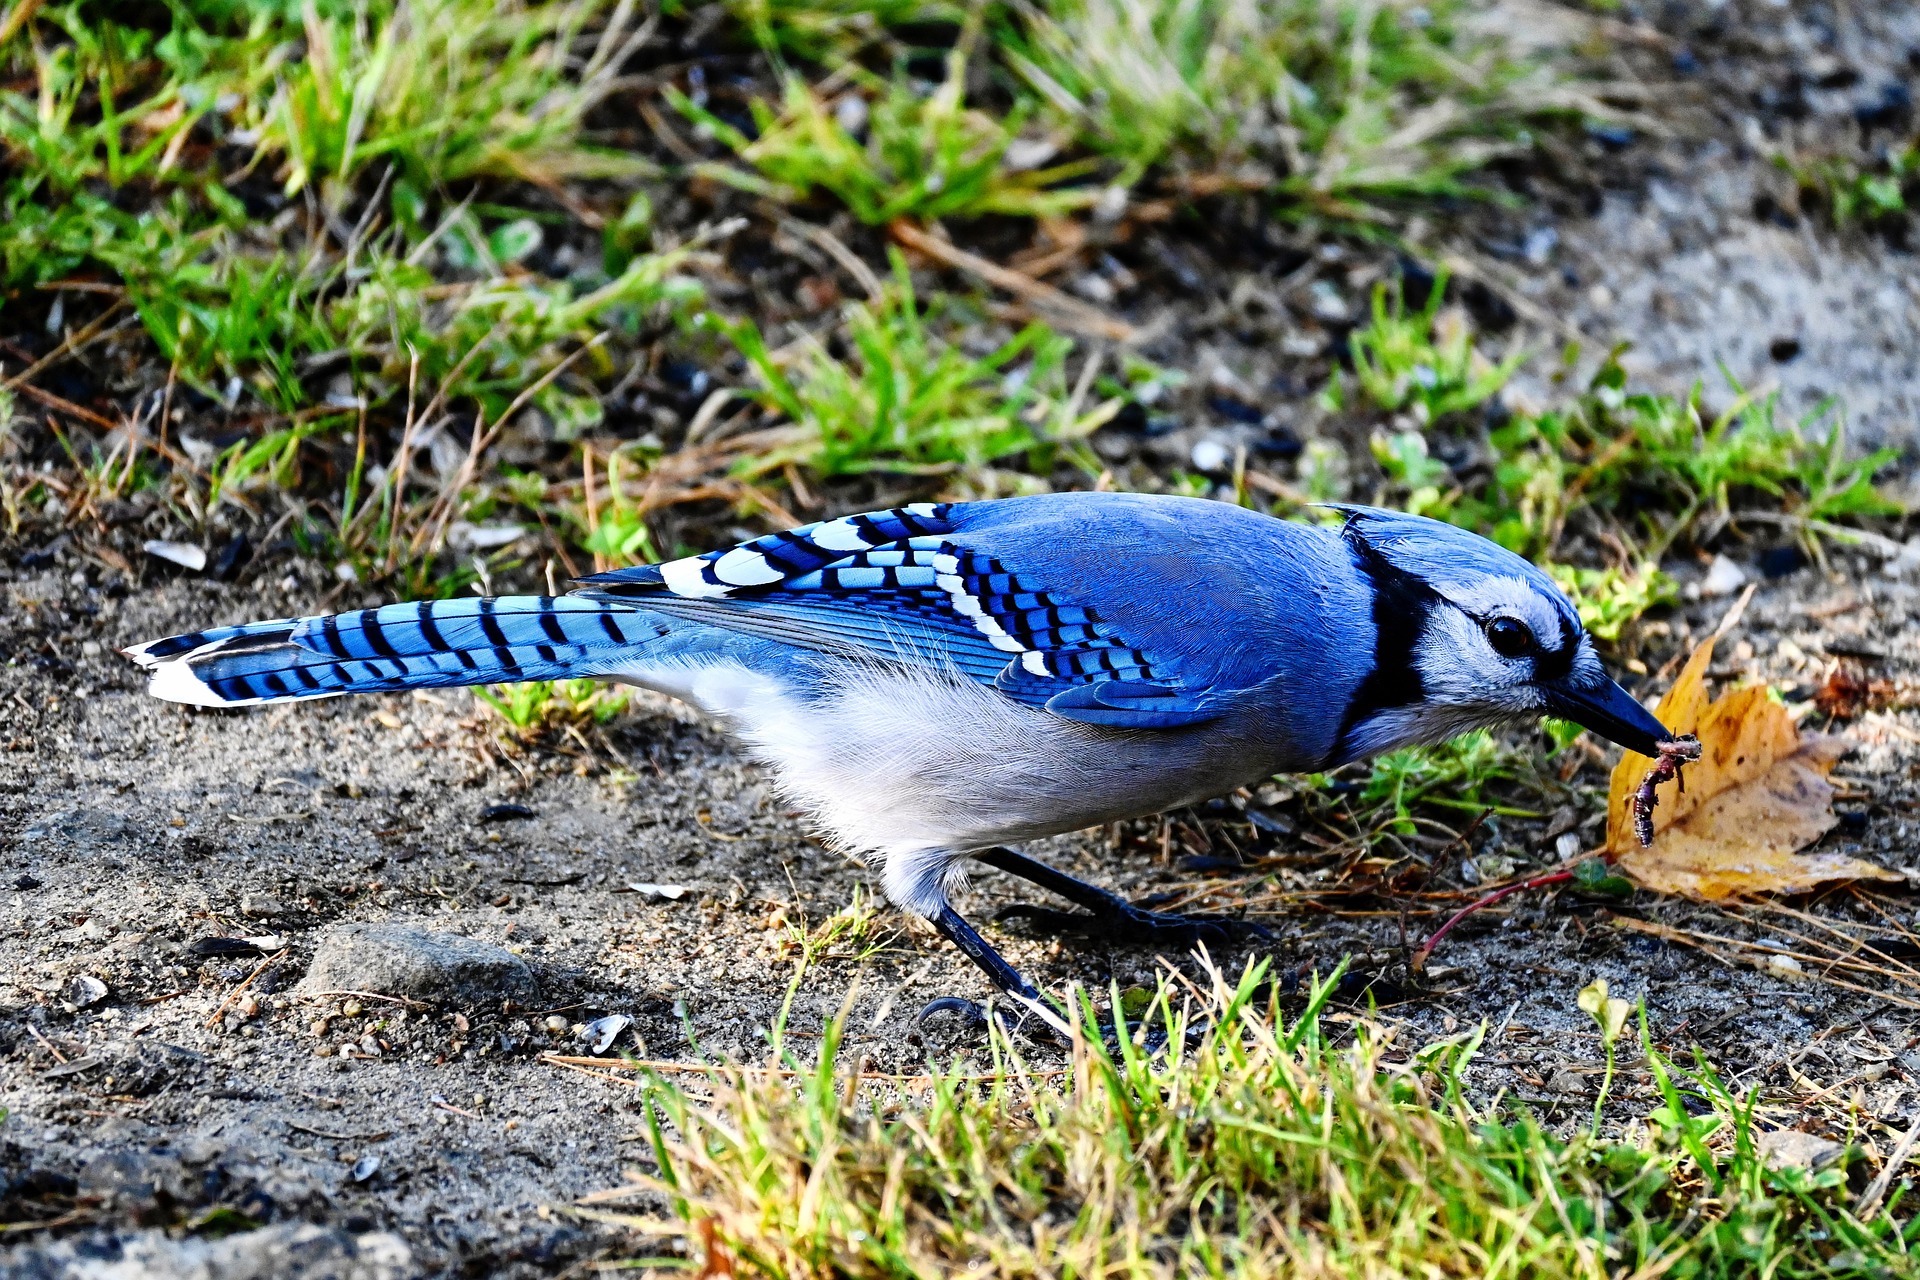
(912, 584)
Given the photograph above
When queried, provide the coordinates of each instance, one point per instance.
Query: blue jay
(938, 681)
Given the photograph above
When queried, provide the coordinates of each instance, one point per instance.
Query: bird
(939, 682)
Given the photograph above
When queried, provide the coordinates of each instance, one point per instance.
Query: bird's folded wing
(903, 585)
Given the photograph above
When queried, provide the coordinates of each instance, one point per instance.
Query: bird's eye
(1510, 637)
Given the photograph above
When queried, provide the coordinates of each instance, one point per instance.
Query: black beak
(1610, 711)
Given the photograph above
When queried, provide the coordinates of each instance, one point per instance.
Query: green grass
(140, 158)
(925, 155)
(910, 398)
(1274, 1145)
(1345, 105)
(536, 707)
(1344, 112)
(1851, 190)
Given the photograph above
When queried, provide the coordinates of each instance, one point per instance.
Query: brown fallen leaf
(1757, 796)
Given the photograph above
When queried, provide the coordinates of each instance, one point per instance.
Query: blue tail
(428, 644)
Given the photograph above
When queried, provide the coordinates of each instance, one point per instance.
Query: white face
(1482, 658)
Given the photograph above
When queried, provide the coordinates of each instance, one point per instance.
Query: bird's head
(1468, 634)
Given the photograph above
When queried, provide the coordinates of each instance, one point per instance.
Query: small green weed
(1883, 189)
(536, 707)
(855, 933)
(1269, 1147)
(1452, 775)
(1424, 361)
(913, 400)
(925, 155)
(1609, 599)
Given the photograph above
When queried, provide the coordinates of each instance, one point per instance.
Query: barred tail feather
(428, 644)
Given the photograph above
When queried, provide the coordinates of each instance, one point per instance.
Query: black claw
(973, 1017)
(971, 1012)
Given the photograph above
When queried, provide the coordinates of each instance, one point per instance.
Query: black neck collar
(1402, 604)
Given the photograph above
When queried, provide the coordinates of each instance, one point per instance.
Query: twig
(65, 406)
(1870, 1198)
(1068, 311)
(297, 1127)
(18, 17)
(233, 995)
(47, 1044)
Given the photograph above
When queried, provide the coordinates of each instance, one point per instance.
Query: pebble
(1724, 577)
(556, 1024)
(1210, 456)
(83, 991)
(396, 960)
(1792, 1149)
(351, 1008)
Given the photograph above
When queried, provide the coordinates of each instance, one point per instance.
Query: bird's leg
(1018, 991)
(1109, 915)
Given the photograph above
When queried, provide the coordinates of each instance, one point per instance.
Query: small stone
(260, 905)
(1724, 577)
(24, 883)
(1567, 1082)
(319, 1026)
(1792, 1149)
(351, 1008)
(1210, 456)
(1094, 288)
(556, 1024)
(1327, 303)
(323, 1051)
(83, 991)
(395, 960)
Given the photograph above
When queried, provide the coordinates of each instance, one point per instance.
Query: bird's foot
(1123, 922)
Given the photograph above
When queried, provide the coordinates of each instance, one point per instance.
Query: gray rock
(394, 960)
(285, 1251)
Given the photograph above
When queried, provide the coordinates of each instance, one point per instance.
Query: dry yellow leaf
(1756, 797)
